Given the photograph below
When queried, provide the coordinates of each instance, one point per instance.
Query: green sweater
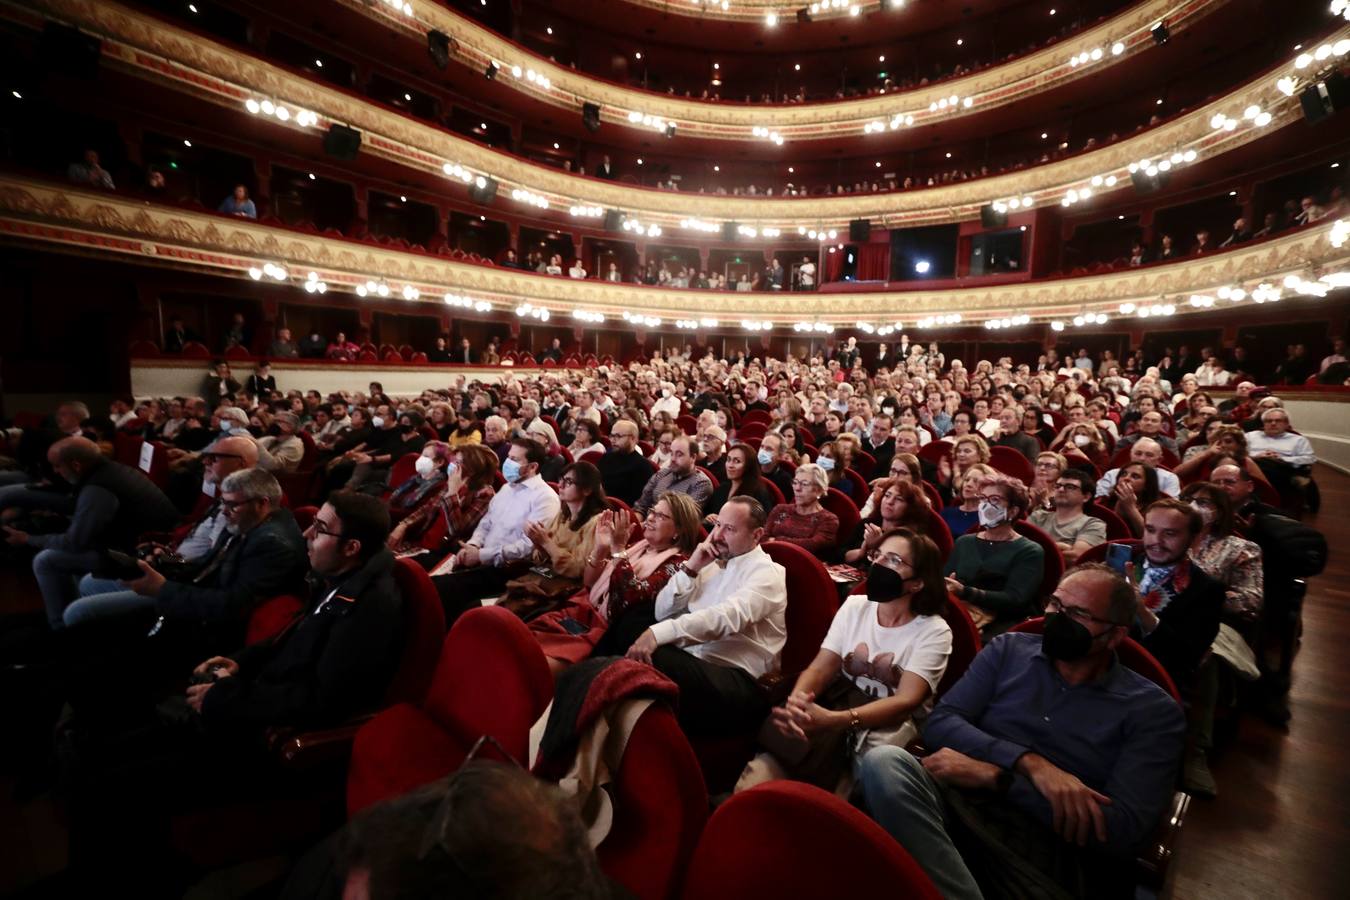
(1003, 577)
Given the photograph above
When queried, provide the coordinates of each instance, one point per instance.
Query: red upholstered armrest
(305, 749)
(1157, 854)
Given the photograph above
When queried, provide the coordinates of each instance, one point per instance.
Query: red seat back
(1010, 462)
(837, 502)
(756, 416)
(773, 490)
(660, 808)
(304, 516)
(423, 630)
(271, 617)
(749, 841)
(934, 451)
(866, 463)
(1132, 655)
(748, 430)
(491, 678)
(712, 477)
(934, 497)
(404, 467)
(936, 528)
(1054, 560)
(812, 602)
(1116, 529)
(1097, 554)
(860, 488)
(687, 424)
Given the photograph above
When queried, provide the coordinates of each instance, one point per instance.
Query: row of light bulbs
(700, 225)
(939, 321)
(1096, 54)
(400, 6)
(467, 302)
(280, 111)
(816, 327)
(1012, 322)
(639, 319)
(586, 212)
(820, 234)
(523, 196)
(582, 315)
(752, 325)
(529, 310)
(760, 131)
(882, 330)
(635, 226)
(656, 123)
(271, 270)
(1322, 53)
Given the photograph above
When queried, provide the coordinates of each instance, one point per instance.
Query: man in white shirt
(668, 402)
(1145, 450)
(721, 625)
(1285, 458)
(500, 549)
(530, 421)
(1337, 355)
(1213, 374)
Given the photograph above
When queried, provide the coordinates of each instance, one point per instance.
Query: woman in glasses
(997, 572)
(875, 674)
(620, 604)
(804, 521)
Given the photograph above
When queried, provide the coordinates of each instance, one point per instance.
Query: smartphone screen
(1117, 555)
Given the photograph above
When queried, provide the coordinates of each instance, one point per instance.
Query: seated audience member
(743, 480)
(1285, 458)
(623, 469)
(880, 444)
(282, 346)
(712, 452)
(585, 439)
(872, 683)
(112, 505)
(967, 450)
(259, 555)
(1235, 563)
(522, 836)
(467, 430)
(997, 572)
(1006, 805)
(496, 436)
(963, 513)
(335, 662)
(720, 628)
(88, 173)
(281, 450)
(1034, 425)
(262, 384)
(1240, 487)
(1136, 487)
(682, 476)
(499, 548)
(468, 476)
(431, 470)
(902, 505)
(342, 349)
(386, 446)
(1049, 466)
(1178, 607)
(804, 521)
(1150, 426)
(220, 386)
(1072, 530)
(1149, 452)
(1084, 438)
(770, 459)
(620, 604)
(1224, 440)
(663, 438)
(835, 468)
(238, 204)
(1011, 434)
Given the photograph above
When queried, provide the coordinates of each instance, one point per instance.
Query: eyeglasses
(653, 514)
(1078, 613)
(320, 530)
(233, 505)
(567, 480)
(994, 499)
(892, 561)
(1068, 486)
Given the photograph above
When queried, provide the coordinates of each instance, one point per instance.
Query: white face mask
(425, 465)
(377, 422)
(992, 516)
(1081, 440)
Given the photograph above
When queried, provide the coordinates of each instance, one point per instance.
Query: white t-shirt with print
(875, 656)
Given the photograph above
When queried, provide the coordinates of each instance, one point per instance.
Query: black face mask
(884, 584)
(405, 428)
(1065, 639)
(274, 431)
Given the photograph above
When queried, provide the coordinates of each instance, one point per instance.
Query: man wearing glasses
(1074, 531)
(260, 554)
(1050, 762)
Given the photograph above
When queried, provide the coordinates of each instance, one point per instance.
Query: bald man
(1145, 450)
(623, 470)
(114, 503)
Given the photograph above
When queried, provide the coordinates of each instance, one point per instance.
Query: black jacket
(255, 386)
(883, 454)
(268, 560)
(114, 504)
(335, 663)
(624, 475)
(1187, 625)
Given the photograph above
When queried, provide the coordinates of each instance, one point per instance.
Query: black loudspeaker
(1160, 33)
(729, 231)
(590, 116)
(1323, 98)
(804, 15)
(859, 231)
(67, 49)
(485, 193)
(992, 218)
(342, 142)
(438, 45)
(491, 71)
(613, 220)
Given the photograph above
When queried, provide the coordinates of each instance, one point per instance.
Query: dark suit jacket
(1187, 625)
(255, 386)
(270, 559)
(624, 475)
(335, 663)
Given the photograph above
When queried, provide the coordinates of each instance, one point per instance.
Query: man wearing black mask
(1027, 699)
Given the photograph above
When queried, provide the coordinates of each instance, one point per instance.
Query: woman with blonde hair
(966, 452)
(620, 603)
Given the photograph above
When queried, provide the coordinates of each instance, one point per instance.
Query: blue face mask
(511, 471)
(764, 457)
(825, 463)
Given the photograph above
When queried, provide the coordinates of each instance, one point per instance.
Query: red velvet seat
(194, 350)
(660, 808)
(934, 496)
(936, 528)
(866, 464)
(773, 490)
(404, 467)
(839, 503)
(304, 515)
(143, 350)
(713, 478)
(1097, 554)
(1010, 462)
(687, 424)
(860, 486)
(934, 451)
(777, 841)
(491, 678)
(592, 456)
(270, 617)
(756, 415)
(1116, 529)
(748, 430)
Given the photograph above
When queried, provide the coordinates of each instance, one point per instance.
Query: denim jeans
(56, 571)
(97, 608)
(905, 800)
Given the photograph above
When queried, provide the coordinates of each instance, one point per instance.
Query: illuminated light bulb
(252, 106)
(1216, 121)
(1262, 120)
(283, 113)
(1110, 180)
(1117, 48)
(255, 273)
(1188, 156)
(1303, 61)
(1096, 53)
(1230, 124)
(968, 102)
(1251, 112)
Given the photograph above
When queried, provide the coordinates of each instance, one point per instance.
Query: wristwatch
(622, 554)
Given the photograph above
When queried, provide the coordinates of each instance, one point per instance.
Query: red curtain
(834, 265)
(874, 262)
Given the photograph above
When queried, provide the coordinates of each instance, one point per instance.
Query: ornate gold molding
(218, 74)
(998, 85)
(68, 219)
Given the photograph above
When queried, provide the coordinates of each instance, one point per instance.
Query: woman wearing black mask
(875, 674)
